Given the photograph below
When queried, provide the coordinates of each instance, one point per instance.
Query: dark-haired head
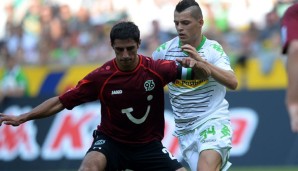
(185, 4)
(125, 30)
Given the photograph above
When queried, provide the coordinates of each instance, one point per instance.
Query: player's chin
(184, 38)
(126, 62)
(183, 41)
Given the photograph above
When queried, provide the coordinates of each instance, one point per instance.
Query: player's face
(188, 28)
(126, 54)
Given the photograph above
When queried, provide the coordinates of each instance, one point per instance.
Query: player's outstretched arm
(292, 91)
(45, 109)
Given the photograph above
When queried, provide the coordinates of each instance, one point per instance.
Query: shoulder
(152, 63)
(293, 9)
(162, 49)
(167, 45)
(145, 59)
(291, 12)
(212, 45)
(104, 70)
(108, 63)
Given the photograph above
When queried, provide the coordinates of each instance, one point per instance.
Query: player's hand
(201, 70)
(192, 52)
(9, 120)
(186, 62)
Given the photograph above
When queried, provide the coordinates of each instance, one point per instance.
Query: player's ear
(139, 43)
(201, 21)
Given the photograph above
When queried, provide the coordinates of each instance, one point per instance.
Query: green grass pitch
(271, 168)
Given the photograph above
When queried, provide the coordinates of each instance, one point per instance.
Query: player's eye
(119, 49)
(185, 22)
(130, 48)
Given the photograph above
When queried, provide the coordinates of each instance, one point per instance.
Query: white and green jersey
(196, 101)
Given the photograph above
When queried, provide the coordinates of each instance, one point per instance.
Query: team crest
(149, 85)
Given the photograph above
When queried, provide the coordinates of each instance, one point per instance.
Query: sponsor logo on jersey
(190, 83)
(116, 92)
(99, 142)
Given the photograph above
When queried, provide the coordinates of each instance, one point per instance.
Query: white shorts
(215, 134)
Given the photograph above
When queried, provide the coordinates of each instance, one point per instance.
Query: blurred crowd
(61, 33)
(51, 32)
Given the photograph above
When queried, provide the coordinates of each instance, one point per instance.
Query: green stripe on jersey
(189, 72)
(186, 74)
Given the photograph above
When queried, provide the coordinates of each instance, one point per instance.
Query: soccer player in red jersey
(289, 36)
(130, 90)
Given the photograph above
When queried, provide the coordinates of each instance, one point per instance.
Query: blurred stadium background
(57, 42)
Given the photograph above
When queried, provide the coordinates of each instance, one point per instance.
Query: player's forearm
(45, 109)
(292, 70)
(201, 71)
(225, 77)
(291, 95)
(293, 113)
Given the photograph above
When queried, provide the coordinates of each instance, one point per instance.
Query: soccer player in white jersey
(202, 121)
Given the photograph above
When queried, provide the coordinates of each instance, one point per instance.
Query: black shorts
(141, 157)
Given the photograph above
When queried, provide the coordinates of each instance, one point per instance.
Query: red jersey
(289, 27)
(132, 103)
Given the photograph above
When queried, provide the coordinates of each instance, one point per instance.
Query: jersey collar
(200, 45)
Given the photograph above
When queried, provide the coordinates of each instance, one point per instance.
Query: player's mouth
(126, 60)
(182, 36)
